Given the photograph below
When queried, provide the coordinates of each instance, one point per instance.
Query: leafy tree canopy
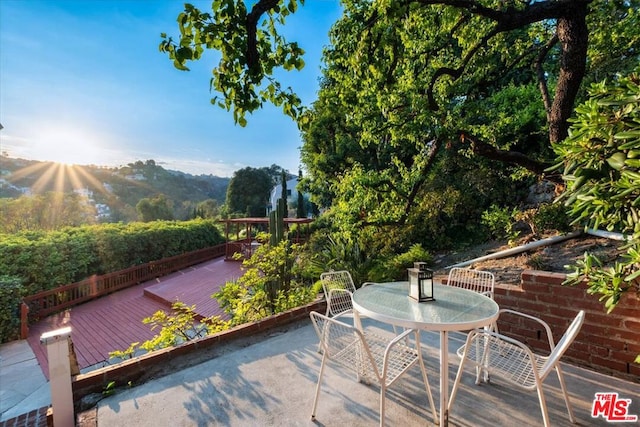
(155, 208)
(251, 50)
(248, 191)
(409, 86)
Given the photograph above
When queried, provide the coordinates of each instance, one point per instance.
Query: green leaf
(617, 160)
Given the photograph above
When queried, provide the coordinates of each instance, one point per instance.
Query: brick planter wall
(607, 343)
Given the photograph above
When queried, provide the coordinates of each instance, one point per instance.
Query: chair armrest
(400, 337)
(544, 324)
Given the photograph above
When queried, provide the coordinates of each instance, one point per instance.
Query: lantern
(421, 282)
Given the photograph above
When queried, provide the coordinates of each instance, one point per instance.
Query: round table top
(454, 309)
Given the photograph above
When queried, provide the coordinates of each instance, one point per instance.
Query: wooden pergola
(246, 245)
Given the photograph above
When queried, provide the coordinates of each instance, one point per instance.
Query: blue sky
(83, 82)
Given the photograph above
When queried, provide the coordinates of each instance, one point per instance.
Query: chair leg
(426, 379)
(543, 404)
(315, 399)
(456, 383)
(482, 369)
(383, 393)
(563, 386)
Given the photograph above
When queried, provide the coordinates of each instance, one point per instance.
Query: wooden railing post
(60, 366)
(24, 321)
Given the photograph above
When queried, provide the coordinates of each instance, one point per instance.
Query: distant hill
(119, 188)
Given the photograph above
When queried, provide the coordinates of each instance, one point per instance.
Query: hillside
(119, 188)
(553, 258)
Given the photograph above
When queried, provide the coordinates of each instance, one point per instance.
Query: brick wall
(607, 343)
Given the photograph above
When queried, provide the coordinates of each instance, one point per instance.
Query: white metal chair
(482, 282)
(475, 280)
(338, 288)
(372, 357)
(514, 361)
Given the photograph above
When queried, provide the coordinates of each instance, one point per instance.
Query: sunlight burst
(70, 145)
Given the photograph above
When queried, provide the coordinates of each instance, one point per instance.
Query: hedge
(47, 260)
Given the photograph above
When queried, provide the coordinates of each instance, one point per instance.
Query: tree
(49, 211)
(208, 209)
(154, 209)
(406, 74)
(301, 208)
(409, 84)
(248, 192)
(285, 193)
(452, 48)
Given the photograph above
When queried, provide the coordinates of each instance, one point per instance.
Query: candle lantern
(421, 282)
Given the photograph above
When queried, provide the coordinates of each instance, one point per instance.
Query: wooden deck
(114, 322)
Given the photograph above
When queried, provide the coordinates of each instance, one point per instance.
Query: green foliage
(248, 192)
(154, 209)
(273, 282)
(395, 268)
(179, 327)
(551, 217)
(125, 354)
(47, 212)
(176, 328)
(339, 252)
(46, 260)
(11, 293)
(500, 221)
(109, 389)
(207, 209)
(276, 222)
(601, 166)
(248, 60)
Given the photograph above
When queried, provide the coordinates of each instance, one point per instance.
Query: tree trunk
(574, 37)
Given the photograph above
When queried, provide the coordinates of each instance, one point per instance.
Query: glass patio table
(454, 309)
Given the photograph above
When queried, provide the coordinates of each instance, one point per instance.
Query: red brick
(616, 365)
(623, 356)
(597, 350)
(536, 288)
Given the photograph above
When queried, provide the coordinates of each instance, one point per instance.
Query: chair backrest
(475, 280)
(562, 345)
(343, 343)
(337, 280)
(338, 288)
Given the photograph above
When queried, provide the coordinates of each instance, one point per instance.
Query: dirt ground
(553, 257)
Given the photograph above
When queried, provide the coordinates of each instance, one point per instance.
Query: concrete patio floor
(272, 383)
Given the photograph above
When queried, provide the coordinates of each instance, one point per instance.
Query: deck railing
(55, 300)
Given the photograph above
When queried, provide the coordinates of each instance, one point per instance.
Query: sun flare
(69, 145)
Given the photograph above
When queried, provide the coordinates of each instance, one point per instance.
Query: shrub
(10, 298)
(46, 260)
(552, 217)
(395, 268)
(499, 221)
